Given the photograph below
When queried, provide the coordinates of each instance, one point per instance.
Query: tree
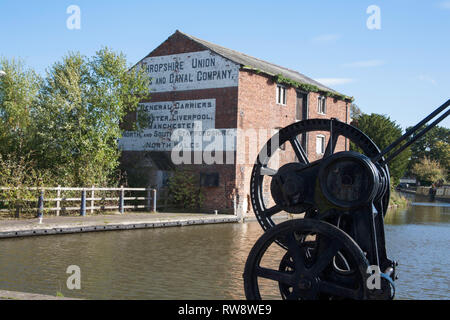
(428, 171)
(355, 112)
(79, 111)
(435, 145)
(18, 91)
(383, 131)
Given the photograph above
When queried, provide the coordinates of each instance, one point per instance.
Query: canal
(206, 262)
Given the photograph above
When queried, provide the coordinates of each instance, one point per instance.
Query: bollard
(83, 203)
(40, 212)
(121, 201)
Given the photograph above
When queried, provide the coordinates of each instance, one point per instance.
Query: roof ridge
(239, 52)
(205, 43)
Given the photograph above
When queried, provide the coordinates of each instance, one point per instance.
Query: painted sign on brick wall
(190, 71)
(195, 117)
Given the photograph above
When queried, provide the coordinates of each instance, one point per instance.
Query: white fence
(65, 199)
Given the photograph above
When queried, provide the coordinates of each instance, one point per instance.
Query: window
(281, 95)
(322, 105)
(320, 144)
(209, 179)
(301, 112)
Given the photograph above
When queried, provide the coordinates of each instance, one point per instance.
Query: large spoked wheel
(295, 135)
(320, 262)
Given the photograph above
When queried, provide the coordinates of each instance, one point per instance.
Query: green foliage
(383, 131)
(428, 171)
(16, 174)
(396, 199)
(18, 91)
(69, 122)
(184, 190)
(80, 108)
(435, 145)
(310, 88)
(279, 78)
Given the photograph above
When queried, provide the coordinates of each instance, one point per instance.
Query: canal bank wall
(442, 193)
(101, 223)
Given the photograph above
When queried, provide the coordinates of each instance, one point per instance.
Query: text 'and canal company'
(190, 71)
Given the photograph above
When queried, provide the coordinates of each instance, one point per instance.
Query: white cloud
(444, 4)
(334, 81)
(426, 78)
(326, 38)
(365, 64)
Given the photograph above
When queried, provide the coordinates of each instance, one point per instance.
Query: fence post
(92, 200)
(83, 203)
(40, 211)
(149, 199)
(58, 202)
(121, 200)
(17, 211)
(154, 200)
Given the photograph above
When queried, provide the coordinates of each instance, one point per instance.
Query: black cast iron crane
(338, 248)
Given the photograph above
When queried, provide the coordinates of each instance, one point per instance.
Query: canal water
(206, 262)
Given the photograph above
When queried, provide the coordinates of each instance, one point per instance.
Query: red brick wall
(176, 43)
(250, 106)
(334, 109)
(216, 198)
(257, 108)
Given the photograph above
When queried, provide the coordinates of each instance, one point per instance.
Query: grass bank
(397, 200)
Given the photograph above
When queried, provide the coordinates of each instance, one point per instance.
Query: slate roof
(259, 65)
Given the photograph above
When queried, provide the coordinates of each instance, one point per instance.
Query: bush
(428, 171)
(16, 175)
(184, 190)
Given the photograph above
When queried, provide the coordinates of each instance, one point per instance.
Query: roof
(283, 74)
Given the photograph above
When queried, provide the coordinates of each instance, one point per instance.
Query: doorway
(301, 113)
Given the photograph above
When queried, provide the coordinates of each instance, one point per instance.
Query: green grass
(397, 200)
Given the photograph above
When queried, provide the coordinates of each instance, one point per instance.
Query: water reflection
(199, 262)
(419, 238)
(205, 262)
(419, 213)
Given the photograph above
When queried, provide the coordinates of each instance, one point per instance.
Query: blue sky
(402, 70)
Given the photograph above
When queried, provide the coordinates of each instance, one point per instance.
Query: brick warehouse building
(225, 90)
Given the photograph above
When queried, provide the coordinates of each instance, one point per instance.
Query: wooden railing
(64, 199)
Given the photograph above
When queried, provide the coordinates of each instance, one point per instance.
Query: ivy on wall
(279, 78)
